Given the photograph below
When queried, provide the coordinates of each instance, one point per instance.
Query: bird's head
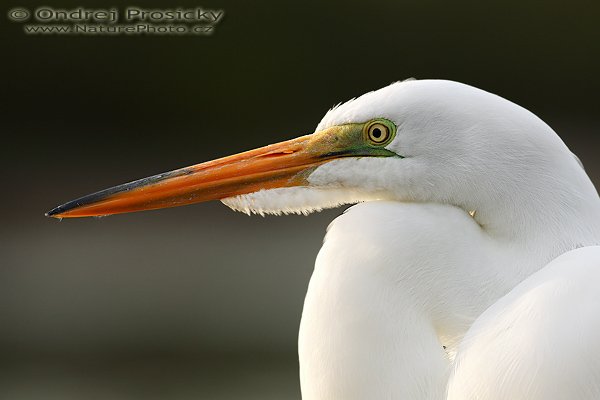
(430, 141)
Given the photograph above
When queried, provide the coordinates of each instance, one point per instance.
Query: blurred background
(200, 302)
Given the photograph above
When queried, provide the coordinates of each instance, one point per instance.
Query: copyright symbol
(18, 14)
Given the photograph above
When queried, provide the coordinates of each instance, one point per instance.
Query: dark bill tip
(57, 212)
(53, 212)
(93, 198)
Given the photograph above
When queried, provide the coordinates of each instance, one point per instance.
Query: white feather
(540, 341)
(398, 279)
(293, 200)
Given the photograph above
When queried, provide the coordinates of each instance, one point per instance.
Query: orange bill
(284, 164)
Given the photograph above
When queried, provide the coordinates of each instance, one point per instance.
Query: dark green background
(200, 302)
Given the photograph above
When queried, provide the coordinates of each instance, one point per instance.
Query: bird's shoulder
(540, 341)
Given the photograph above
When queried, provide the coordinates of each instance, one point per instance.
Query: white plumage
(540, 341)
(410, 270)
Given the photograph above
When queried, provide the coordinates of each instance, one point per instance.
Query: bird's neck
(542, 214)
(394, 282)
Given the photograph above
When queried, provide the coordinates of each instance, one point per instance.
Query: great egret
(465, 200)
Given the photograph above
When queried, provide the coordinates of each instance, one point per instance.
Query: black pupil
(377, 133)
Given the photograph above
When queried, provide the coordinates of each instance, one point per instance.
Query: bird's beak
(284, 164)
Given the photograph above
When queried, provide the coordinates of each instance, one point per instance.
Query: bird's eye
(379, 132)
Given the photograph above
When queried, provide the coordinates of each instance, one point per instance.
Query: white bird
(441, 283)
